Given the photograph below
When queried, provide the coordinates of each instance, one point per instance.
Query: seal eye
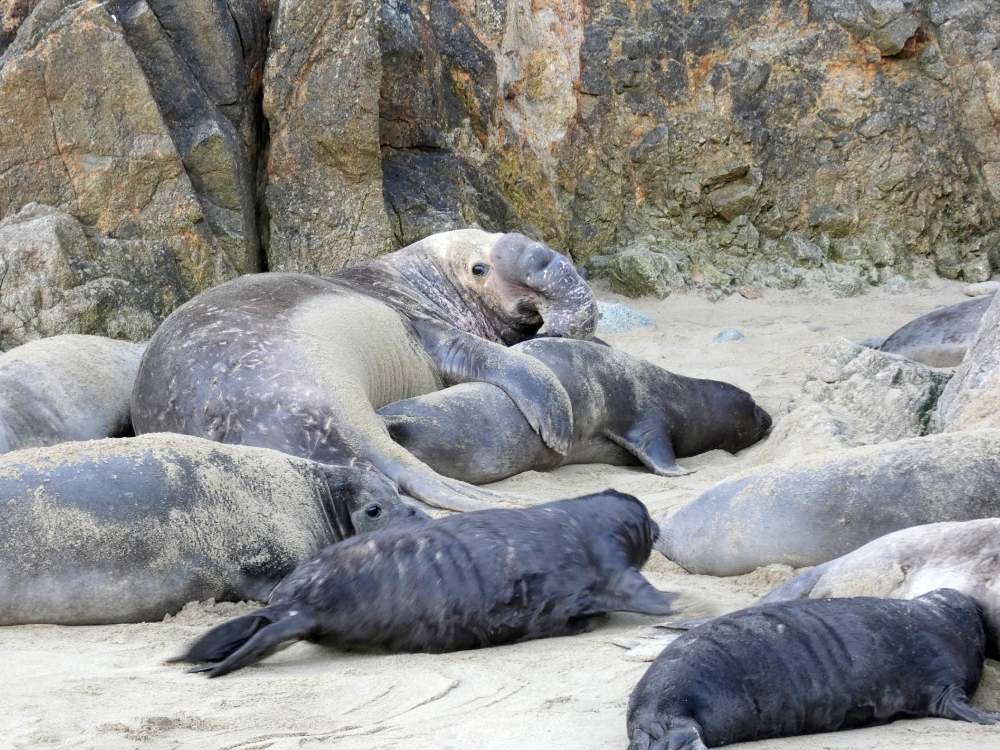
(373, 511)
(480, 269)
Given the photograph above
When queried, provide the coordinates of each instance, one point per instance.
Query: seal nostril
(373, 511)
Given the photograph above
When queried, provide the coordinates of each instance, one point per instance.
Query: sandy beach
(109, 686)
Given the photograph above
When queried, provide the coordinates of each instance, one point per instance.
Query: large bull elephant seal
(300, 364)
(626, 411)
(940, 338)
(793, 668)
(822, 508)
(964, 556)
(468, 581)
(66, 388)
(130, 530)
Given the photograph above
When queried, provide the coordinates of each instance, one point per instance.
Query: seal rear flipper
(953, 703)
(650, 443)
(681, 738)
(263, 643)
(224, 639)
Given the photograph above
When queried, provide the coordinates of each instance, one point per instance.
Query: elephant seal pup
(626, 411)
(66, 388)
(821, 508)
(906, 564)
(791, 668)
(300, 364)
(940, 338)
(468, 581)
(113, 531)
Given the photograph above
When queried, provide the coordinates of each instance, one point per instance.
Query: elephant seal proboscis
(300, 364)
(65, 388)
(112, 531)
(791, 668)
(821, 508)
(942, 337)
(964, 556)
(626, 411)
(468, 581)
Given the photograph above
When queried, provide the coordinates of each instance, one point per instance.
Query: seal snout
(763, 421)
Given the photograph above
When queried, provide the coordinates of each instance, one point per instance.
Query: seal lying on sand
(130, 530)
(626, 411)
(822, 508)
(468, 581)
(792, 668)
(66, 388)
(906, 564)
(300, 364)
(940, 338)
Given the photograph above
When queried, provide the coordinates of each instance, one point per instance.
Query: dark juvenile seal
(66, 388)
(626, 411)
(792, 668)
(822, 508)
(964, 556)
(300, 363)
(130, 530)
(468, 581)
(940, 338)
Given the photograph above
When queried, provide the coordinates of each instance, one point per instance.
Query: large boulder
(972, 398)
(83, 133)
(56, 276)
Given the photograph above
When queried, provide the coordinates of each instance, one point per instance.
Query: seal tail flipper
(798, 587)
(262, 644)
(953, 703)
(224, 639)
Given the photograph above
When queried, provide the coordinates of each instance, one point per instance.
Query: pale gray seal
(300, 363)
(468, 581)
(66, 388)
(942, 337)
(130, 530)
(963, 555)
(822, 508)
(626, 411)
(792, 668)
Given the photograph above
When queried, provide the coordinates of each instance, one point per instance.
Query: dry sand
(108, 687)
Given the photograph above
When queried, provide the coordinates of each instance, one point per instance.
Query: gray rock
(639, 272)
(802, 251)
(615, 318)
(972, 398)
(57, 278)
(727, 334)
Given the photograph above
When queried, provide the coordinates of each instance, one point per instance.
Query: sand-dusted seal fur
(66, 388)
(300, 363)
(964, 556)
(791, 668)
(942, 337)
(468, 581)
(130, 530)
(821, 508)
(626, 411)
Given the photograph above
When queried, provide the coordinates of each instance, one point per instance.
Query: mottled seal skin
(468, 581)
(626, 411)
(791, 668)
(822, 508)
(66, 388)
(964, 556)
(130, 530)
(940, 338)
(300, 364)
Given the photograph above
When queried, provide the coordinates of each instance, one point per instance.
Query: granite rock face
(141, 121)
(57, 276)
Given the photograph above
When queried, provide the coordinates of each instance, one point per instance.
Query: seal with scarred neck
(301, 364)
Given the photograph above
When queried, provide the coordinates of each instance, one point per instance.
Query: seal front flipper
(533, 387)
(650, 443)
(798, 587)
(633, 593)
(953, 703)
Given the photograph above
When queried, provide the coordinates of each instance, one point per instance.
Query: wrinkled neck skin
(420, 286)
